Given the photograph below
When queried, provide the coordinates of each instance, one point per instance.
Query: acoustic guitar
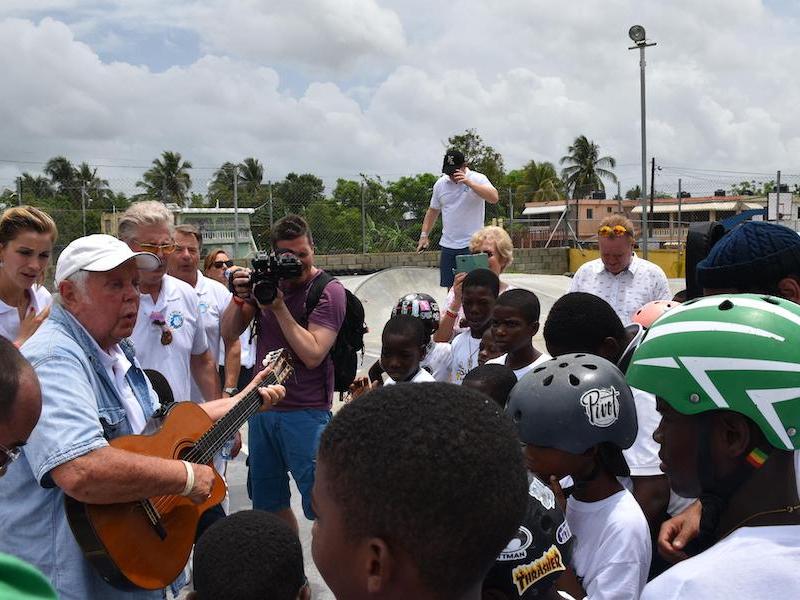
(146, 544)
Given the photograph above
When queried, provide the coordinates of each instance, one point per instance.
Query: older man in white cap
(93, 390)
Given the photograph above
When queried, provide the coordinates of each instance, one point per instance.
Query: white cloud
(391, 81)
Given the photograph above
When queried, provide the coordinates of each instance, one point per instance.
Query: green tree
(86, 178)
(61, 173)
(168, 179)
(634, 193)
(295, 193)
(479, 155)
(35, 186)
(412, 195)
(347, 193)
(585, 169)
(251, 175)
(536, 182)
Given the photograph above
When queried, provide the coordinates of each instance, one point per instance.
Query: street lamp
(637, 34)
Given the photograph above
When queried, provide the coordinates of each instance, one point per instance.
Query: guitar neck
(212, 440)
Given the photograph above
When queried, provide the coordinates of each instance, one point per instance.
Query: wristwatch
(231, 391)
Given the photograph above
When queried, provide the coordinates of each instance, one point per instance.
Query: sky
(342, 87)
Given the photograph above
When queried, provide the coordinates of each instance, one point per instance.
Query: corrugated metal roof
(698, 206)
(544, 210)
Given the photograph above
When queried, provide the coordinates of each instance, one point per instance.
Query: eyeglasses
(218, 264)
(7, 456)
(615, 231)
(164, 249)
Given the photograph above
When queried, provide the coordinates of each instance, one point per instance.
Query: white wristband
(187, 489)
(422, 234)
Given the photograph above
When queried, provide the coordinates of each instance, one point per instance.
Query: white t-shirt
(177, 303)
(437, 360)
(463, 210)
(752, 563)
(501, 360)
(464, 356)
(422, 376)
(626, 292)
(9, 315)
(212, 300)
(611, 554)
(247, 357)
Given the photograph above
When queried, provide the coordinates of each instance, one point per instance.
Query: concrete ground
(379, 292)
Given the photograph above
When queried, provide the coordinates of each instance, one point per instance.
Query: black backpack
(349, 340)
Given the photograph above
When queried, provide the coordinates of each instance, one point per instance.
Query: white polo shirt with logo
(212, 300)
(9, 315)
(177, 303)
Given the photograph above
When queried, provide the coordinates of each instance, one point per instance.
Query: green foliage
(168, 179)
(585, 169)
(535, 182)
(634, 193)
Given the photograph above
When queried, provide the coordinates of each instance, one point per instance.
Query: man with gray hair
(169, 335)
(93, 390)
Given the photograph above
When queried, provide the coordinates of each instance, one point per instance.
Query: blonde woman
(496, 244)
(27, 235)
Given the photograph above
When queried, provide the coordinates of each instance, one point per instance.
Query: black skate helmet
(540, 552)
(422, 306)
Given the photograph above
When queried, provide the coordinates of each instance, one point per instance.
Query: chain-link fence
(369, 214)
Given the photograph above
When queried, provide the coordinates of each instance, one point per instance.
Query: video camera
(269, 269)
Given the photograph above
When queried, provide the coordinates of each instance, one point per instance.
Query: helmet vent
(574, 380)
(547, 380)
(771, 300)
(590, 367)
(539, 369)
(579, 355)
(726, 305)
(517, 416)
(547, 524)
(562, 365)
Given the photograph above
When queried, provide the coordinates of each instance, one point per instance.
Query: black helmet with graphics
(573, 402)
(539, 554)
(419, 305)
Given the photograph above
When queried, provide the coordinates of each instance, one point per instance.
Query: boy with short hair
(515, 320)
(495, 381)
(479, 293)
(575, 414)
(456, 493)
(725, 370)
(249, 555)
(487, 349)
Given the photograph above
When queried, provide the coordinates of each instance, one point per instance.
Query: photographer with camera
(274, 292)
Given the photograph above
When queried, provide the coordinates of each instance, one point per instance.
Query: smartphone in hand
(469, 262)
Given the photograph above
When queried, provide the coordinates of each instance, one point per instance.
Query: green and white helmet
(731, 352)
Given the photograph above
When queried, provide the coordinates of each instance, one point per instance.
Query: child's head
(487, 349)
(582, 322)
(403, 345)
(249, 555)
(515, 319)
(575, 414)
(417, 490)
(725, 372)
(479, 293)
(536, 557)
(422, 306)
(495, 381)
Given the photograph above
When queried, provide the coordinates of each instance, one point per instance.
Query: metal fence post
(680, 206)
(83, 207)
(235, 211)
(269, 188)
(19, 191)
(363, 218)
(777, 196)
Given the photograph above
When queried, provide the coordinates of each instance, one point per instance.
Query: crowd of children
(661, 453)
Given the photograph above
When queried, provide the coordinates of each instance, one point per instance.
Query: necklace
(786, 509)
(472, 353)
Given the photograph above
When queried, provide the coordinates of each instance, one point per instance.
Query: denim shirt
(81, 410)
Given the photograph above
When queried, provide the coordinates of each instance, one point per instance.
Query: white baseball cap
(100, 253)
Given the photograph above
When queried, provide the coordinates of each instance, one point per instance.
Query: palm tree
(585, 169)
(168, 178)
(36, 186)
(251, 174)
(61, 173)
(540, 182)
(86, 178)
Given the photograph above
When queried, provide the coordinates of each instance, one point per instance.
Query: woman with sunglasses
(27, 236)
(496, 244)
(215, 265)
(619, 277)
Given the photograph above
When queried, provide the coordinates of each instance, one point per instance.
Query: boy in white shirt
(480, 290)
(515, 320)
(725, 372)
(575, 414)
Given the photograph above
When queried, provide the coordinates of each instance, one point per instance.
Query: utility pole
(363, 218)
(83, 206)
(652, 191)
(680, 206)
(19, 191)
(235, 210)
(269, 187)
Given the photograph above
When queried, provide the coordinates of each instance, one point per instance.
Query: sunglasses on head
(7, 456)
(615, 231)
(218, 264)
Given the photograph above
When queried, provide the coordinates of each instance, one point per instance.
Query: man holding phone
(460, 195)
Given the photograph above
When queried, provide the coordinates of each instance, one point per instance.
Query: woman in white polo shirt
(27, 236)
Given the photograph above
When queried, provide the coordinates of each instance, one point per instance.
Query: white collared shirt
(212, 300)
(626, 292)
(9, 315)
(177, 302)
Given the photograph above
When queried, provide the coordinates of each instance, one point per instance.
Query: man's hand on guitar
(203, 480)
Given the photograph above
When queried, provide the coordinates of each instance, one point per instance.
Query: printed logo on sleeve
(542, 493)
(563, 533)
(601, 406)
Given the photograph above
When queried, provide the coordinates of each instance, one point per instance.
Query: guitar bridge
(154, 518)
